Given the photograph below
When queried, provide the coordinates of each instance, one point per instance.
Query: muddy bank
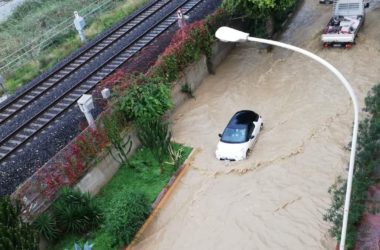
(277, 197)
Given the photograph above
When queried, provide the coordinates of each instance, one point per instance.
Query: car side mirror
(252, 136)
(366, 5)
(220, 135)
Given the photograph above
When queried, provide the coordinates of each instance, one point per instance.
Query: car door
(252, 137)
(255, 132)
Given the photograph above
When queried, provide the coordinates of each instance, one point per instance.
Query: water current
(277, 197)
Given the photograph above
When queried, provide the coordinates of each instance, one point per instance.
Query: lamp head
(227, 34)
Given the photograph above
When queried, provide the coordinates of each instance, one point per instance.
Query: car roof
(242, 119)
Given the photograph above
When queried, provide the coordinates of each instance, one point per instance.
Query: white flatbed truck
(343, 27)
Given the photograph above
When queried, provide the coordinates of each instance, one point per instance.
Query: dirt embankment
(277, 197)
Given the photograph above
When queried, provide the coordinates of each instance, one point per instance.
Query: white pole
(355, 129)
(90, 119)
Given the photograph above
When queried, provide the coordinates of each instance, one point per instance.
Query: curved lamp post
(226, 34)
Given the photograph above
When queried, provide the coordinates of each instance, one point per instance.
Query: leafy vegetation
(367, 159)
(114, 133)
(47, 226)
(14, 233)
(148, 98)
(126, 215)
(186, 89)
(185, 47)
(155, 135)
(144, 178)
(76, 212)
(145, 102)
(262, 17)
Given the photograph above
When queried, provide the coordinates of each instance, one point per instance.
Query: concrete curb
(162, 197)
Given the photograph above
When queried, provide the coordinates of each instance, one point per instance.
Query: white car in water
(239, 136)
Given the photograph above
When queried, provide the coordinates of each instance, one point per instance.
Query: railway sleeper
(6, 148)
(114, 64)
(69, 67)
(55, 109)
(12, 110)
(69, 99)
(15, 142)
(47, 84)
(17, 105)
(22, 136)
(24, 100)
(75, 94)
(50, 115)
(30, 130)
(35, 125)
(43, 119)
(102, 74)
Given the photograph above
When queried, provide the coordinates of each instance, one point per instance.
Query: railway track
(82, 73)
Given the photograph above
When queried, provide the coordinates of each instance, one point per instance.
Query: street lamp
(227, 34)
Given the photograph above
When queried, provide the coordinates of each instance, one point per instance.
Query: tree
(14, 233)
(259, 9)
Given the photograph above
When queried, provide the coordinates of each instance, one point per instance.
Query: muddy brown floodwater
(277, 197)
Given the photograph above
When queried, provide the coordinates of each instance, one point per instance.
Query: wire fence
(33, 48)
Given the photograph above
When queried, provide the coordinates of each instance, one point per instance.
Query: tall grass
(40, 33)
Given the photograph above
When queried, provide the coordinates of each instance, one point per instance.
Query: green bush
(260, 17)
(126, 215)
(46, 225)
(14, 233)
(185, 48)
(77, 212)
(155, 135)
(114, 133)
(147, 98)
(367, 159)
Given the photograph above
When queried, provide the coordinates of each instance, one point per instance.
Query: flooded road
(277, 197)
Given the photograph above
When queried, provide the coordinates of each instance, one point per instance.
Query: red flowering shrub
(72, 162)
(187, 45)
(116, 78)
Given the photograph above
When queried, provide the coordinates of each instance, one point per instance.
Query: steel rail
(170, 18)
(18, 103)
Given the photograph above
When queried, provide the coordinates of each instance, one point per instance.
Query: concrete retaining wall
(34, 202)
(193, 76)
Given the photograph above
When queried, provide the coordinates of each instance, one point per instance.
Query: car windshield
(234, 135)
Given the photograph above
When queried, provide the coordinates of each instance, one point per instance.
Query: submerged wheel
(247, 153)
